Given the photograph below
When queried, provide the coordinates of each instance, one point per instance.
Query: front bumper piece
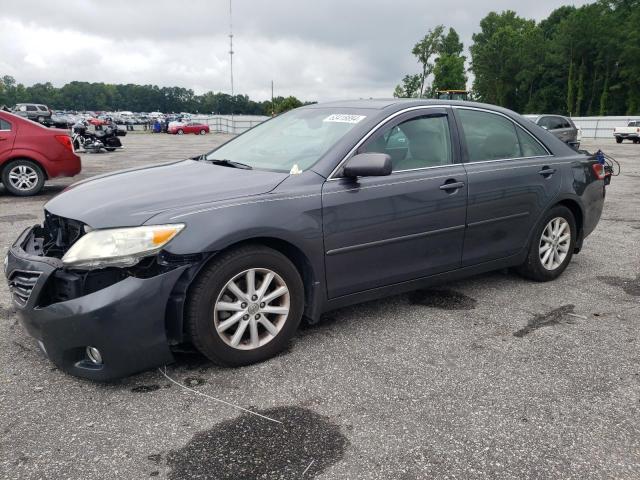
(125, 321)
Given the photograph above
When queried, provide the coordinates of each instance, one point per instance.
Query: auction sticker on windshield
(344, 118)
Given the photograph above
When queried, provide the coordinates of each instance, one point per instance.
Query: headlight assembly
(119, 247)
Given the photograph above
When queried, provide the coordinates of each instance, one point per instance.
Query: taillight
(66, 141)
(638, 129)
(598, 169)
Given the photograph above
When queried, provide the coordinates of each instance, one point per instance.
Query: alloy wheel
(252, 308)
(554, 243)
(23, 177)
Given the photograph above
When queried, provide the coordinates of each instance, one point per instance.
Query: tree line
(83, 96)
(577, 61)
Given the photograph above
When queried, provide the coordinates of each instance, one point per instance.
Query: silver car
(561, 127)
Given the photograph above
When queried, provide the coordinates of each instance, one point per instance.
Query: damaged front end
(131, 314)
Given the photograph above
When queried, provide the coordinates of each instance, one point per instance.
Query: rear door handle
(547, 172)
(452, 186)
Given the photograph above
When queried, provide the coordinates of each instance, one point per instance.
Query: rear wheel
(23, 177)
(245, 306)
(110, 149)
(552, 246)
(180, 132)
(203, 131)
(618, 140)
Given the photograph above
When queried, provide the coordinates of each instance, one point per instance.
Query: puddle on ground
(145, 388)
(630, 286)
(252, 447)
(444, 299)
(554, 317)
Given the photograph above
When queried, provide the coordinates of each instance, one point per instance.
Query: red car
(189, 127)
(31, 154)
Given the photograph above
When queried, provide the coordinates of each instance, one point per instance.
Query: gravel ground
(491, 377)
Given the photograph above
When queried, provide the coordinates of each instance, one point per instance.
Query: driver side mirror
(368, 165)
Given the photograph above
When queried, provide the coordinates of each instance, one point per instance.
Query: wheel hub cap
(251, 309)
(554, 243)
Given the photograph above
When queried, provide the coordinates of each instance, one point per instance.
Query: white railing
(233, 124)
(601, 127)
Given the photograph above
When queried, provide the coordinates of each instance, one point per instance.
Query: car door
(512, 178)
(7, 138)
(384, 230)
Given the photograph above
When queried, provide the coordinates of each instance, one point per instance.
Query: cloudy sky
(313, 49)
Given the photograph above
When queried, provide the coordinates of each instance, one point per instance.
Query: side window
(529, 145)
(555, 123)
(4, 125)
(31, 108)
(488, 136)
(416, 143)
(22, 108)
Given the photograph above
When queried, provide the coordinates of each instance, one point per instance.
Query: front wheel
(618, 140)
(552, 246)
(245, 306)
(180, 132)
(203, 131)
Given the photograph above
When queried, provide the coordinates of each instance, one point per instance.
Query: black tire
(110, 149)
(209, 285)
(618, 140)
(533, 268)
(30, 165)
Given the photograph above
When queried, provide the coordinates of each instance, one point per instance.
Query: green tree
(427, 48)
(449, 71)
(410, 87)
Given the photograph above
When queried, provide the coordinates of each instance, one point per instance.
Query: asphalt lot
(491, 377)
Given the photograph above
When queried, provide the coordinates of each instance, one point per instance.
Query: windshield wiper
(230, 163)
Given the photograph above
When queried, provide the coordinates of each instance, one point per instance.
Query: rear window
(42, 108)
(4, 125)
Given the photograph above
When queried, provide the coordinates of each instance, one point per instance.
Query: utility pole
(231, 44)
(233, 126)
(273, 109)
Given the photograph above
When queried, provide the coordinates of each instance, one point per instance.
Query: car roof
(391, 104)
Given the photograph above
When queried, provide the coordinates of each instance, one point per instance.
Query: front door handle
(451, 185)
(547, 172)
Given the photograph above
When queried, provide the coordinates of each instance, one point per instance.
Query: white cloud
(313, 50)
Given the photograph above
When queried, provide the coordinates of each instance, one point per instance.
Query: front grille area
(21, 285)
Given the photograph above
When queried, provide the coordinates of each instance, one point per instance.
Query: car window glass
(22, 108)
(555, 123)
(42, 108)
(489, 136)
(31, 108)
(564, 123)
(4, 125)
(416, 143)
(529, 146)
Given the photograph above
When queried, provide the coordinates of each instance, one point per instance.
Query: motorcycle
(95, 142)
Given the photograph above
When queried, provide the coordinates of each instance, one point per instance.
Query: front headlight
(119, 247)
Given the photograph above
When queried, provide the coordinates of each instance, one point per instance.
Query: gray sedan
(321, 207)
(561, 127)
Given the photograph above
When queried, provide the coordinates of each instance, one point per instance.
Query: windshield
(291, 142)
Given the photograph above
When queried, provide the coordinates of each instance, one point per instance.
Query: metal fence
(233, 124)
(600, 127)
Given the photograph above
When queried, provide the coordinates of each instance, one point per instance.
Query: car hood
(130, 197)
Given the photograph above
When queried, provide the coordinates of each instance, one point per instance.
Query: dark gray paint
(353, 239)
